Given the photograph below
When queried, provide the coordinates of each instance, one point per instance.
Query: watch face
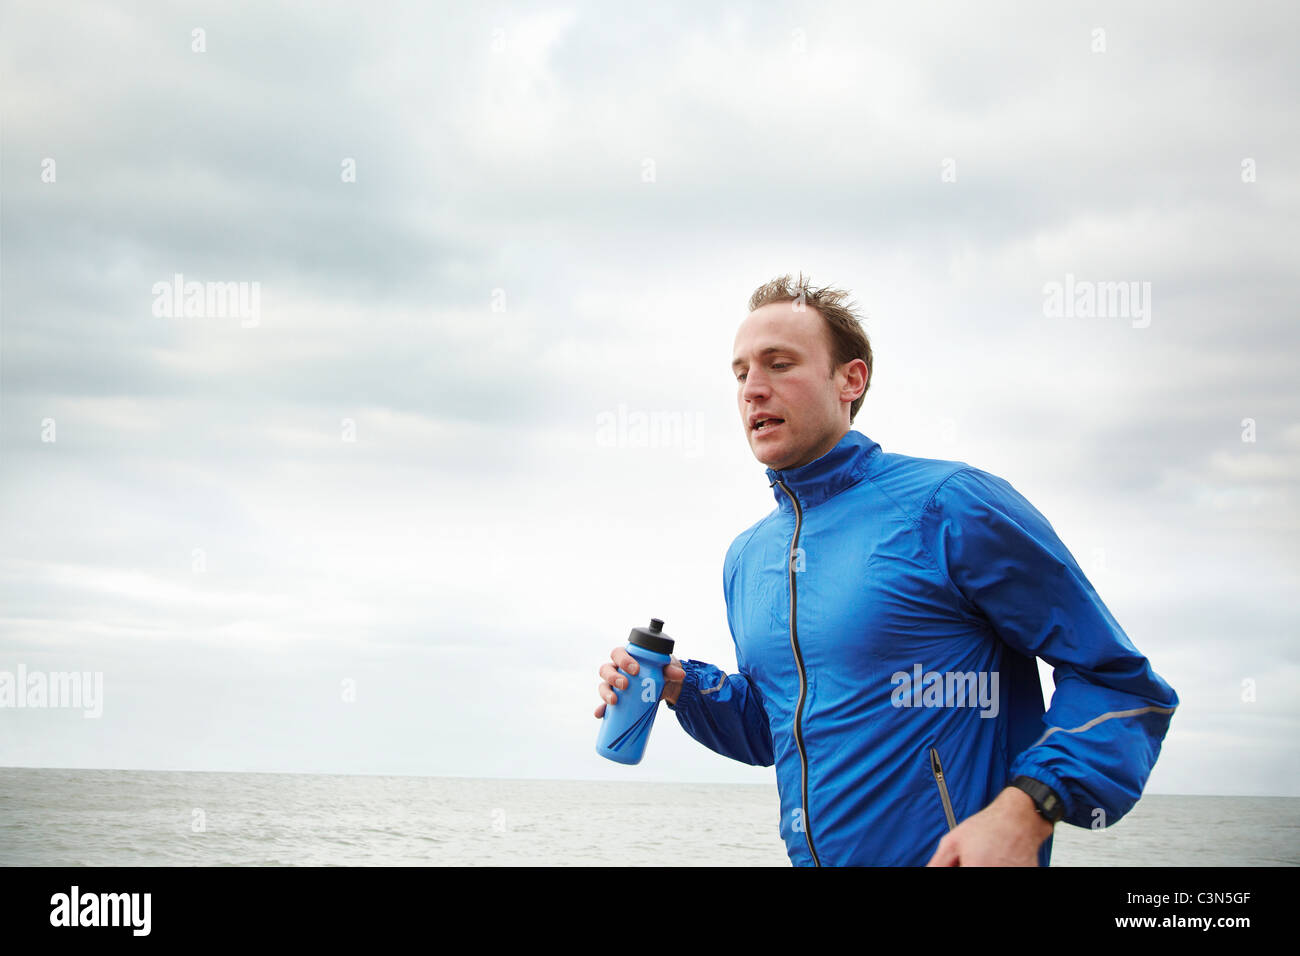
(1050, 807)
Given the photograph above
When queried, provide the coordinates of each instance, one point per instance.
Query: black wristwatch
(1046, 802)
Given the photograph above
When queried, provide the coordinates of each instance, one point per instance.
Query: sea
(52, 817)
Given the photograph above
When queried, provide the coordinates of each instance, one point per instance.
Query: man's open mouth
(765, 424)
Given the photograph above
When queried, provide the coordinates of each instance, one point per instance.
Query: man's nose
(756, 386)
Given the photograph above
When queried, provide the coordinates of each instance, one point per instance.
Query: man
(886, 616)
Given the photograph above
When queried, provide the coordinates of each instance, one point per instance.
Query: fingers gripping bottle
(625, 728)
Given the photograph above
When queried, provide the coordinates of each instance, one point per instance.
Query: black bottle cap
(652, 638)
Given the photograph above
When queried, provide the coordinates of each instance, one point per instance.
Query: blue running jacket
(886, 616)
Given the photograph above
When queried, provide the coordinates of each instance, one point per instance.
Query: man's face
(782, 365)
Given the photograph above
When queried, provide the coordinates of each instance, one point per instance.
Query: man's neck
(823, 449)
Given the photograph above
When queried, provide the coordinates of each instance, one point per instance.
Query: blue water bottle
(625, 728)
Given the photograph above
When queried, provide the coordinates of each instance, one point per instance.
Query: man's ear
(848, 377)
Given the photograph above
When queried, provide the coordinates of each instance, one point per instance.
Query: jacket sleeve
(725, 713)
(1102, 733)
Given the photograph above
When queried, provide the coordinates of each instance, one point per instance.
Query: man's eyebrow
(736, 363)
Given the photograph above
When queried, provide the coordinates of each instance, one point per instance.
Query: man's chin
(773, 458)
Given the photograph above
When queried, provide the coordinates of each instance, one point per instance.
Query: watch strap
(1046, 801)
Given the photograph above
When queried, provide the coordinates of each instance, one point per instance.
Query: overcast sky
(487, 239)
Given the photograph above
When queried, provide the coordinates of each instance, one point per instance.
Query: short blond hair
(846, 337)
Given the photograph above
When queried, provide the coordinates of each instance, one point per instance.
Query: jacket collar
(813, 483)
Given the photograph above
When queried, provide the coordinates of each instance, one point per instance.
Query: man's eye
(741, 376)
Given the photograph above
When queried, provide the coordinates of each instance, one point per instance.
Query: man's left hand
(1008, 832)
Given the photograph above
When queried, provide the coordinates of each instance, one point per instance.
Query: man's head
(801, 359)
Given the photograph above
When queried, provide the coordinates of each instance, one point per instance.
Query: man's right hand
(611, 679)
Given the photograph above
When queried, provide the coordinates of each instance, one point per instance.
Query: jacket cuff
(690, 691)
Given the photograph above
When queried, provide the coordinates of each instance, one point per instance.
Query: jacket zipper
(803, 681)
(936, 768)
